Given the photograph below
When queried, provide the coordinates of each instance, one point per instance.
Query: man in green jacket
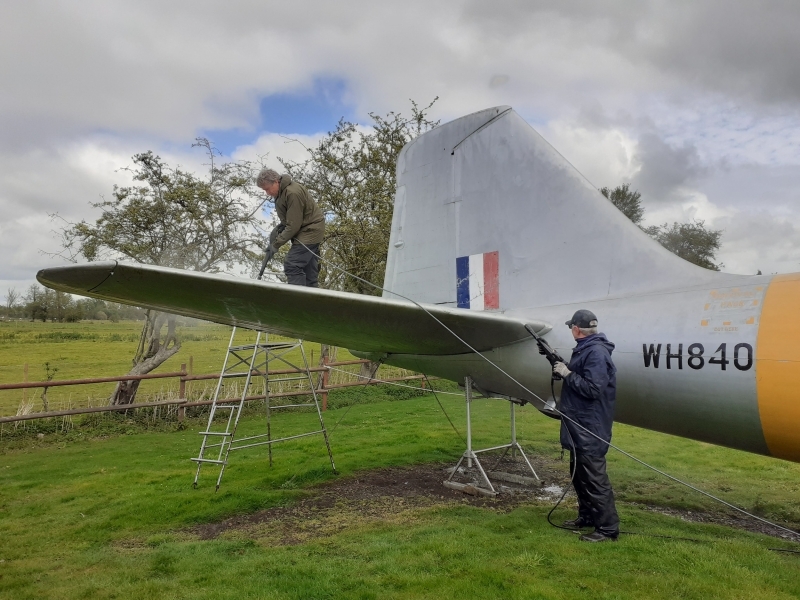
(302, 222)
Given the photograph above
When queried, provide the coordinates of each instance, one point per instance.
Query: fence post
(325, 379)
(182, 392)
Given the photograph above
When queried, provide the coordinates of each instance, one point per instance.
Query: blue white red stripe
(477, 281)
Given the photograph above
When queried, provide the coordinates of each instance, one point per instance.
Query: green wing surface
(356, 321)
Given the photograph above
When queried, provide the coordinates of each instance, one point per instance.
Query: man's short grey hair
(266, 176)
(587, 330)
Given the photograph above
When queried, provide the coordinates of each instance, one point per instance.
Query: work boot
(596, 536)
(578, 523)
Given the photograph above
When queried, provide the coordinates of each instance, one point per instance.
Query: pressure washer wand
(546, 350)
(267, 257)
(270, 248)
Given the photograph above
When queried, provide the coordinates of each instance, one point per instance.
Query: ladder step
(269, 345)
(256, 358)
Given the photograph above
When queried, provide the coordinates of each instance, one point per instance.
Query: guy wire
(411, 387)
(364, 387)
(563, 416)
(435, 395)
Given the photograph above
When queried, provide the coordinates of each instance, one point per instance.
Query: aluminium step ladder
(251, 362)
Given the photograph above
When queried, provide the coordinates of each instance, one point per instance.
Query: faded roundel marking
(778, 367)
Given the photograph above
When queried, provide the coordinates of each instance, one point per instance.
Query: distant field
(105, 349)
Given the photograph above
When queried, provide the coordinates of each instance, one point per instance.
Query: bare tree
(36, 305)
(12, 296)
(172, 217)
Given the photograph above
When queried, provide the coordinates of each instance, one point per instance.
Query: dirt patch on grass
(394, 494)
(398, 495)
(732, 519)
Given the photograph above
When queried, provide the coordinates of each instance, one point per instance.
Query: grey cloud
(759, 241)
(664, 168)
(749, 49)
(160, 72)
(752, 187)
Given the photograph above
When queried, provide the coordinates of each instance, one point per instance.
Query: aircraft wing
(355, 321)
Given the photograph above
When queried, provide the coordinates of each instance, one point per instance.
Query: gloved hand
(561, 369)
(276, 232)
(271, 250)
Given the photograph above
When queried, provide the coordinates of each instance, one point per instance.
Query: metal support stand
(244, 362)
(470, 455)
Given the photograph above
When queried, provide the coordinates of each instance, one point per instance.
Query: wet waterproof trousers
(301, 265)
(595, 496)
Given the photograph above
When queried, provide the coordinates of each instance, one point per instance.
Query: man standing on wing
(301, 221)
(587, 398)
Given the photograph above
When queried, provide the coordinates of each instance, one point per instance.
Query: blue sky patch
(306, 112)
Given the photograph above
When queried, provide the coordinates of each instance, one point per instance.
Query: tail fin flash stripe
(477, 281)
(491, 280)
(462, 281)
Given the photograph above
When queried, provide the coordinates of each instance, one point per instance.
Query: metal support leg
(514, 446)
(513, 430)
(468, 398)
(469, 454)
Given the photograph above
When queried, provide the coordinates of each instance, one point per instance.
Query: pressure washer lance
(270, 248)
(549, 407)
(547, 351)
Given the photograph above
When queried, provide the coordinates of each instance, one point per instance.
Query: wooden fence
(324, 386)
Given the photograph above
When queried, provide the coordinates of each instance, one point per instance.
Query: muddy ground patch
(399, 494)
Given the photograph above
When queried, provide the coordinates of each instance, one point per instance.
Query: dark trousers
(301, 265)
(595, 496)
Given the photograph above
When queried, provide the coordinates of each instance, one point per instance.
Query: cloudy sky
(697, 104)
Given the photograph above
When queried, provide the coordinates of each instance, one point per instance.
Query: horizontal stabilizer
(359, 322)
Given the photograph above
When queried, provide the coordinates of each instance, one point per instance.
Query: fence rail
(182, 402)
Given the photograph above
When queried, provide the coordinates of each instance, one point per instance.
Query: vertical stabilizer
(488, 185)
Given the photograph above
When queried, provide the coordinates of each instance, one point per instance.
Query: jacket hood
(595, 338)
(285, 181)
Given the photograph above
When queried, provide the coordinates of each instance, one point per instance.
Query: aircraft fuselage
(716, 364)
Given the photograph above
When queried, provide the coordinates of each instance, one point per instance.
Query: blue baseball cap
(583, 318)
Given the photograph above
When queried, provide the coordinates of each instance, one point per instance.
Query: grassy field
(104, 349)
(107, 510)
(116, 518)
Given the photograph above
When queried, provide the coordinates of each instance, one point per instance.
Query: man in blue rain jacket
(587, 402)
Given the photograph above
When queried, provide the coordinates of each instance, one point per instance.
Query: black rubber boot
(578, 523)
(596, 536)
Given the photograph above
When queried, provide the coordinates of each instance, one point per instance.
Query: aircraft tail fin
(489, 216)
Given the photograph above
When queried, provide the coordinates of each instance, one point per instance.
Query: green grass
(113, 518)
(105, 349)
